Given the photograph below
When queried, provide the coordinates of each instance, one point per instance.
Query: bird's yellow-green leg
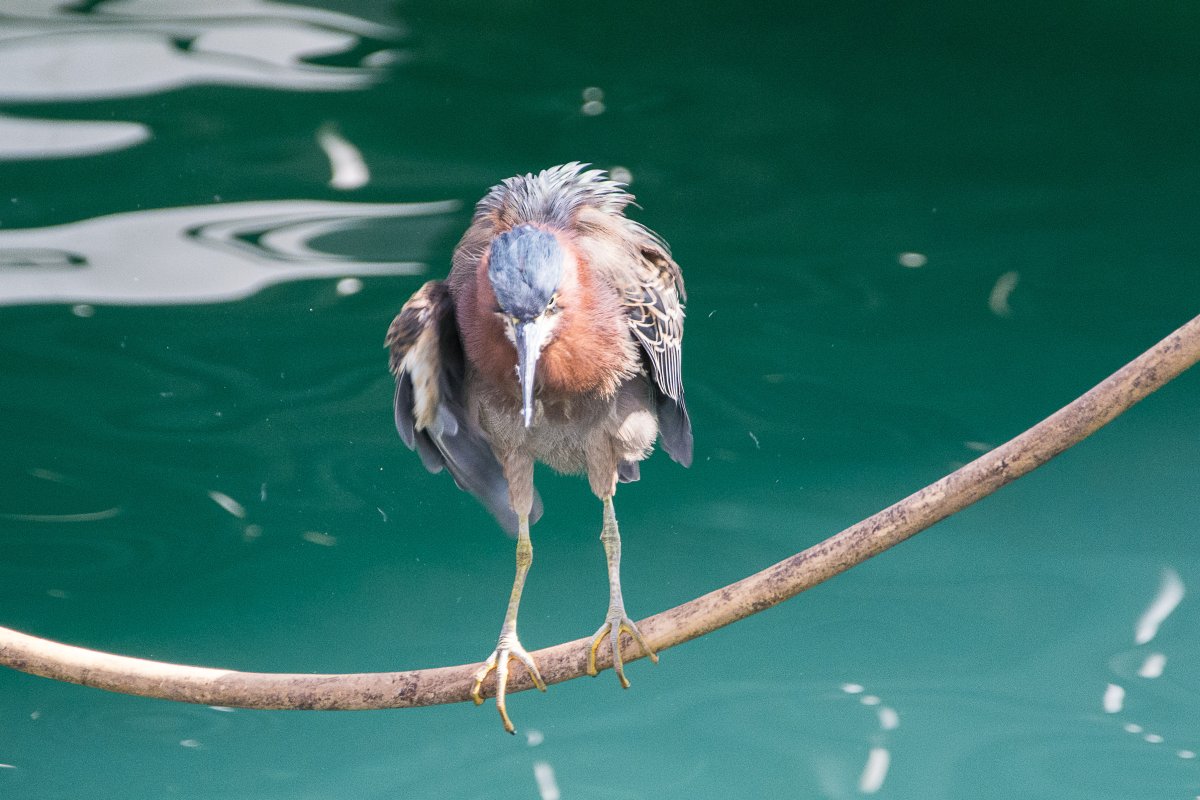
(617, 621)
(509, 645)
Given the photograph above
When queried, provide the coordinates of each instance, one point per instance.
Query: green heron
(556, 338)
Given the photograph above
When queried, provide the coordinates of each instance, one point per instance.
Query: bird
(556, 338)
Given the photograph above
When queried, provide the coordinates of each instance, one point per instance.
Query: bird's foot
(616, 624)
(509, 647)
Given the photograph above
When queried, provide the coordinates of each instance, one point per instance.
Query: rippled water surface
(908, 232)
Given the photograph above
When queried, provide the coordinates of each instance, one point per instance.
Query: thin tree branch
(773, 585)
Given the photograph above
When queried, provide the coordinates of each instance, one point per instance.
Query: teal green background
(790, 154)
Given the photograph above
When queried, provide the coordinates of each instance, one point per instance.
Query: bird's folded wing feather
(654, 307)
(426, 356)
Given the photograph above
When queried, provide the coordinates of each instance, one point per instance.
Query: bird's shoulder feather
(637, 263)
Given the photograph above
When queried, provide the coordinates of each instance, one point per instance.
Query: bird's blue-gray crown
(525, 266)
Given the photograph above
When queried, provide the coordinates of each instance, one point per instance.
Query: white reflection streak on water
(349, 286)
(1114, 699)
(1170, 594)
(87, 516)
(1153, 666)
(184, 10)
(286, 239)
(94, 64)
(889, 720)
(81, 516)
(122, 49)
(228, 503)
(58, 56)
(998, 299)
(874, 773)
(27, 139)
(194, 254)
(879, 758)
(349, 171)
(547, 785)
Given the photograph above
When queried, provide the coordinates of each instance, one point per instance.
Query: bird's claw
(508, 648)
(616, 624)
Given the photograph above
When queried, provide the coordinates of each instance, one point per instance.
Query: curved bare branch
(760, 591)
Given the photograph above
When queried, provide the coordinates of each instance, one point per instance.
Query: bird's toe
(616, 624)
(509, 648)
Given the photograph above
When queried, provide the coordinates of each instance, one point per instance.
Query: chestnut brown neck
(591, 352)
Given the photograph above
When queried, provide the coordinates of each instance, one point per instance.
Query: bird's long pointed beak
(529, 338)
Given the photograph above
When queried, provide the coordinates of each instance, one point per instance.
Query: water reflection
(42, 495)
(156, 726)
(1170, 595)
(24, 139)
(1114, 699)
(879, 756)
(206, 254)
(49, 52)
(75, 534)
(878, 761)
(1153, 664)
(228, 503)
(345, 161)
(547, 783)
(1001, 291)
(53, 52)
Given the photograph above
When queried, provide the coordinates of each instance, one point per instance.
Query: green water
(176, 329)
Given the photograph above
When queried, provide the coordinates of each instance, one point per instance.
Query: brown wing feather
(415, 316)
(414, 358)
(426, 356)
(638, 265)
(653, 304)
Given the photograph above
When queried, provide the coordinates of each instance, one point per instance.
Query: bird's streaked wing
(426, 356)
(654, 307)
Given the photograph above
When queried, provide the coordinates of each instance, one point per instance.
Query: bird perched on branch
(556, 338)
